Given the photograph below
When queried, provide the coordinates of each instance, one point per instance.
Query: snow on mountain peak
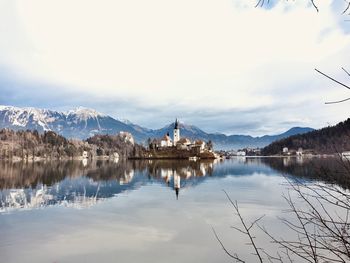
(85, 113)
(22, 116)
(125, 121)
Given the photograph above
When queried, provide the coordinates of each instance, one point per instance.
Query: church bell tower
(176, 132)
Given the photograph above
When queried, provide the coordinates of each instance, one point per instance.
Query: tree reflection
(32, 185)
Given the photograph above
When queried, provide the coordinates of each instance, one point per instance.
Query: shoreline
(110, 158)
(286, 156)
(41, 159)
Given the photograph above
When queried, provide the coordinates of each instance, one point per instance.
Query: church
(177, 141)
(166, 140)
(173, 146)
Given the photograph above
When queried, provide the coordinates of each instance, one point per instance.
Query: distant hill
(328, 140)
(82, 123)
(225, 142)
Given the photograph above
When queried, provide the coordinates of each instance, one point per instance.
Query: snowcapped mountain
(30, 118)
(83, 123)
(78, 123)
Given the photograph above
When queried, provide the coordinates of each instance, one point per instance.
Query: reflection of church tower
(176, 132)
(177, 184)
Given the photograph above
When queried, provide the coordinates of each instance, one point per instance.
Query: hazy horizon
(152, 128)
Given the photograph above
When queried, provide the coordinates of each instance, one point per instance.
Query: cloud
(224, 66)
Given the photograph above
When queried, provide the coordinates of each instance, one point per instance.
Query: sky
(224, 66)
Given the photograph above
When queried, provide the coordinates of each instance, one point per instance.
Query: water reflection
(330, 169)
(83, 184)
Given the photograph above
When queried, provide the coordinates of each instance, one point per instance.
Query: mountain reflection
(78, 184)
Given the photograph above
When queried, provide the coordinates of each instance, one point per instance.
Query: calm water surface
(141, 211)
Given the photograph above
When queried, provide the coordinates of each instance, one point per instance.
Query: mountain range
(82, 123)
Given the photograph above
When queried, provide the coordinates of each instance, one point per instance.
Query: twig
(224, 248)
(333, 79)
(337, 101)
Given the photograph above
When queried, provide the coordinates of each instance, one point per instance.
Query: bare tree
(319, 222)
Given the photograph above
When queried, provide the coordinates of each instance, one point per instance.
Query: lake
(141, 211)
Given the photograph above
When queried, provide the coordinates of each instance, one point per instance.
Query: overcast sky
(221, 65)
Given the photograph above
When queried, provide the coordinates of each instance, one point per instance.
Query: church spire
(176, 126)
(176, 132)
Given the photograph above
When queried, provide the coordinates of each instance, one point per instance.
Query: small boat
(193, 158)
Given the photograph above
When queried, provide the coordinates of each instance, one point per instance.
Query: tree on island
(210, 145)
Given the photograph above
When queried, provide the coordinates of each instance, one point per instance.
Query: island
(177, 148)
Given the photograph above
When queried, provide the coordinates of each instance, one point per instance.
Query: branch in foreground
(337, 101)
(333, 79)
(246, 230)
(234, 256)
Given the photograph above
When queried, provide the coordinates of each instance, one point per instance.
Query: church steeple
(176, 126)
(176, 132)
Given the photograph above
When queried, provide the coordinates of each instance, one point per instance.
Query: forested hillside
(49, 145)
(329, 140)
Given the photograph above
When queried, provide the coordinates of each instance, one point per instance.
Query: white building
(201, 144)
(166, 141)
(299, 152)
(85, 155)
(285, 150)
(183, 144)
(176, 132)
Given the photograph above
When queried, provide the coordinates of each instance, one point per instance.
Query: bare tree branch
(337, 101)
(333, 79)
(347, 72)
(347, 8)
(314, 5)
(234, 256)
(246, 229)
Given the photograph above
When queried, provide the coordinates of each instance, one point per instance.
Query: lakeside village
(285, 152)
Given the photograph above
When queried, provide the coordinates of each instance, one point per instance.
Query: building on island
(183, 143)
(178, 147)
(176, 132)
(201, 144)
(166, 141)
(178, 142)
